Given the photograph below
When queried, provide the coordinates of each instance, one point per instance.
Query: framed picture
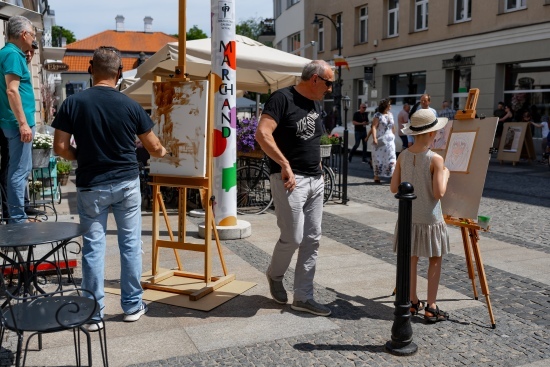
(459, 151)
(442, 138)
(512, 138)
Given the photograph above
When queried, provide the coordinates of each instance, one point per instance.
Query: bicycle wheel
(328, 176)
(253, 190)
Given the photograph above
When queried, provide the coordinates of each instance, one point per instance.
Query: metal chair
(49, 313)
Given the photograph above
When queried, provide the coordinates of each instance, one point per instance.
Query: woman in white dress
(383, 138)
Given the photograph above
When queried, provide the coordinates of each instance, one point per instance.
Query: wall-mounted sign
(56, 66)
(458, 61)
(368, 72)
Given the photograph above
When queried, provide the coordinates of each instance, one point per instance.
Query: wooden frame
(462, 143)
(207, 283)
(522, 141)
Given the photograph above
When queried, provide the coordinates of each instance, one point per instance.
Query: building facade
(404, 48)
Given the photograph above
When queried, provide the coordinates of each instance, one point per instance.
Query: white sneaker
(134, 316)
(96, 326)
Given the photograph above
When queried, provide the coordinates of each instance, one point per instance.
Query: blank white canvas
(180, 116)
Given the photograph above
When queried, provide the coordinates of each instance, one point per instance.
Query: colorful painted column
(224, 65)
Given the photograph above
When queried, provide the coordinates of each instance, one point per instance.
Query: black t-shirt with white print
(298, 132)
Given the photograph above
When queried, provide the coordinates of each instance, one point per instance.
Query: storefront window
(461, 87)
(527, 88)
(408, 87)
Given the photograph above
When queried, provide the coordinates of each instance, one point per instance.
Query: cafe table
(27, 236)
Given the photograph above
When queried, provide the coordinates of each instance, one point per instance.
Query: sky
(86, 18)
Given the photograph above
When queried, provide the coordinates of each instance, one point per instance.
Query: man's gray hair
(18, 24)
(107, 61)
(315, 67)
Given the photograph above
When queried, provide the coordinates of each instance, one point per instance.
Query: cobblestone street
(518, 203)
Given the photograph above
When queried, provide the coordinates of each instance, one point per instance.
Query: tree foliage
(195, 33)
(58, 32)
(251, 28)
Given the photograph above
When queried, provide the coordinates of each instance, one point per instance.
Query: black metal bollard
(401, 343)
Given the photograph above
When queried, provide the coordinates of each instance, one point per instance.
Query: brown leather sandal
(437, 315)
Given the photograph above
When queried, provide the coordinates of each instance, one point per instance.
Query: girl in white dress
(426, 171)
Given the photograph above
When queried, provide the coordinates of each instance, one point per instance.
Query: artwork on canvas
(511, 140)
(442, 137)
(459, 151)
(180, 116)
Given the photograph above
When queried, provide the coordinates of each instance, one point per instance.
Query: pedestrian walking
(289, 132)
(360, 122)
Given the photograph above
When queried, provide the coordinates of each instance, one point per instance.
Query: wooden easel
(469, 111)
(470, 238)
(209, 283)
(526, 149)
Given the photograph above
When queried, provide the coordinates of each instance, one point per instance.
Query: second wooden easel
(207, 283)
(470, 238)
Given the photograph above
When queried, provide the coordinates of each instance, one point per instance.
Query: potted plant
(41, 150)
(246, 142)
(63, 170)
(327, 142)
(35, 189)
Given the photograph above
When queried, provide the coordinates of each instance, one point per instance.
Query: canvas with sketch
(459, 151)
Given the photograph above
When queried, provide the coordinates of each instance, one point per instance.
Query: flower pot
(41, 157)
(325, 150)
(62, 178)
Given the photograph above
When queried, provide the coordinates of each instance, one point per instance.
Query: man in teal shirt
(17, 111)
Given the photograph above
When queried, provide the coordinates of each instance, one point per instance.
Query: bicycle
(329, 178)
(253, 186)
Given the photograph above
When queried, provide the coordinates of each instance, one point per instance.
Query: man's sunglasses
(328, 83)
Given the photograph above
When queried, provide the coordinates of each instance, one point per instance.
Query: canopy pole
(181, 72)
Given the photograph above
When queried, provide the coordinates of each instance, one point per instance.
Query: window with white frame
(363, 24)
(289, 3)
(511, 5)
(294, 42)
(421, 15)
(463, 10)
(320, 37)
(393, 18)
(278, 7)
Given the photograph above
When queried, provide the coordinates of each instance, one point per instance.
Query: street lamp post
(338, 90)
(346, 101)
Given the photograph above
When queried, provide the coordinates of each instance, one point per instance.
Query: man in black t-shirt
(104, 123)
(360, 122)
(289, 132)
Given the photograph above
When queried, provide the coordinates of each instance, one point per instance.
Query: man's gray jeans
(299, 215)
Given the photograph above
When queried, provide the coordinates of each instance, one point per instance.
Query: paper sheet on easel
(465, 189)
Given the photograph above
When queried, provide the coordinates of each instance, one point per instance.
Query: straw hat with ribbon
(423, 121)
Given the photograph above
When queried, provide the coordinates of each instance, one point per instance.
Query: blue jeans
(19, 168)
(299, 215)
(360, 138)
(124, 199)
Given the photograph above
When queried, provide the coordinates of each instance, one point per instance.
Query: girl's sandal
(437, 315)
(415, 307)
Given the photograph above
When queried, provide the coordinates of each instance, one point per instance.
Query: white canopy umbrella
(259, 68)
(140, 90)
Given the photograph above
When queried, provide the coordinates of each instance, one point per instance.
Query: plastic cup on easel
(483, 221)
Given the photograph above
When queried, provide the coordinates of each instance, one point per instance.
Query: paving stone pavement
(517, 199)
(518, 203)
